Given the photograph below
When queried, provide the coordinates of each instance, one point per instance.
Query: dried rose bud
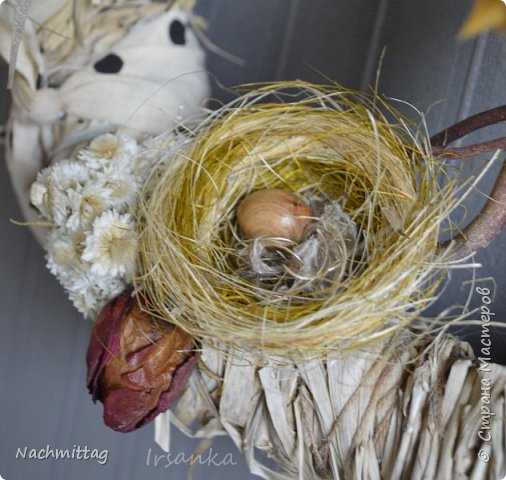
(136, 366)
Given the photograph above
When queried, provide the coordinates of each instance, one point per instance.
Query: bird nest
(378, 204)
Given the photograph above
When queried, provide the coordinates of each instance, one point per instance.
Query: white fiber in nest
(330, 251)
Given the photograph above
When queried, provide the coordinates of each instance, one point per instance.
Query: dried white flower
(112, 246)
(90, 200)
(38, 198)
(50, 193)
(110, 152)
(64, 253)
(89, 293)
(69, 174)
(121, 187)
(86, 302)
(87, 204)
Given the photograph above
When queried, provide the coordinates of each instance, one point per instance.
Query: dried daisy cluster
(88, 201)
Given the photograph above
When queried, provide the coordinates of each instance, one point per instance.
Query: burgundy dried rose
(136, 366)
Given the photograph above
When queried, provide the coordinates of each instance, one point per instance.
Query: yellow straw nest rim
(299, 137)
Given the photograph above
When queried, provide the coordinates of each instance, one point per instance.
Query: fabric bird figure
(106, 66)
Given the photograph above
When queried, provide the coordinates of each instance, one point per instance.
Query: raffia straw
(413, 407)
(295, 136)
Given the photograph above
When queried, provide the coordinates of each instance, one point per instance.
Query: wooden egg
(274, 213)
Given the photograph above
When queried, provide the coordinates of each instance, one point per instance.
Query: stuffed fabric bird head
(149, 81)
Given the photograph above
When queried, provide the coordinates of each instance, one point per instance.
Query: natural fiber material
(409, 408)
(323, 142)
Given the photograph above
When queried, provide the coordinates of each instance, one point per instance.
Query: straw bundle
(413, 408)
(319, 142)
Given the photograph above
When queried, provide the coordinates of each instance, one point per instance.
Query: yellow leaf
(485, 15)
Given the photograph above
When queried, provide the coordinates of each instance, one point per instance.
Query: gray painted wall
(43, 340)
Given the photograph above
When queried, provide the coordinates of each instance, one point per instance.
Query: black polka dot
(38, 85)
(177, 32)
(109, 64)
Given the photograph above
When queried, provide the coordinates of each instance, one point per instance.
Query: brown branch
(468, 125)
(487, 225)
(469, 151)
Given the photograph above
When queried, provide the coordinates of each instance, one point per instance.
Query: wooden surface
(43, 400)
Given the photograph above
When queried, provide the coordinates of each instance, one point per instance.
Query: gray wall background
(43, 340)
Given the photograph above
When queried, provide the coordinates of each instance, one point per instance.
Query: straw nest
(323, 143)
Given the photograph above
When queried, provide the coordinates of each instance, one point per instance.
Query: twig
(469, 151)
(485, 227)
(468, 125)
(489, 223)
